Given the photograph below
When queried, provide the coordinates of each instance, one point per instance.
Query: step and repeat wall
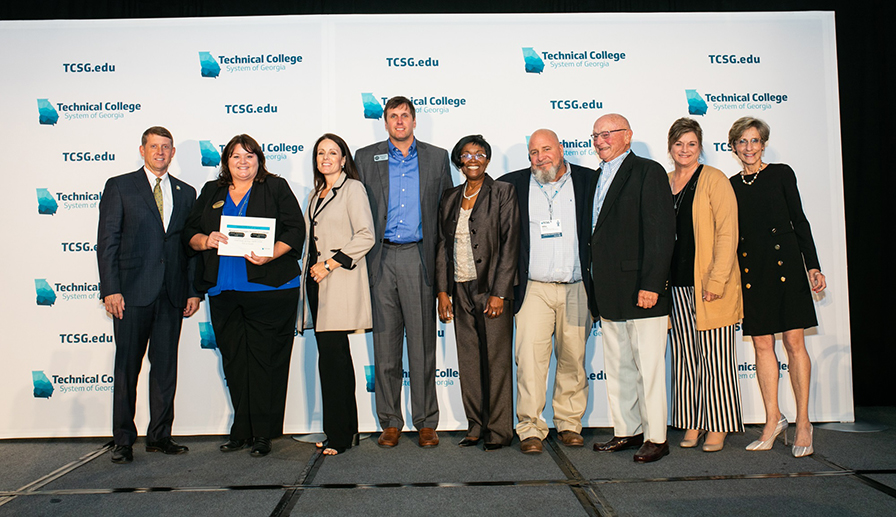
(77, 95)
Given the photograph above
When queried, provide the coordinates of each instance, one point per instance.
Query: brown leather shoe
(531, 445)
(620, 443)
(651, 452)
(389, 437)
(571, 438)
(428, 438)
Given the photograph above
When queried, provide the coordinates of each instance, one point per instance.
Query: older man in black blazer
(405, 179)
(146, 287)
(629, 255)
(549, 300)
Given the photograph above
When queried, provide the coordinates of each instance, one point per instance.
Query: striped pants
(705, 387)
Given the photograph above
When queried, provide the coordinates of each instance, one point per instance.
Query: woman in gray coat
(335, 289)
(476, 266)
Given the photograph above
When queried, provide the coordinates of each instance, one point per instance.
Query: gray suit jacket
(435, 178)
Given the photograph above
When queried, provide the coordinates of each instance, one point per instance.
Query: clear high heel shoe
(800, 451)
(760, 445)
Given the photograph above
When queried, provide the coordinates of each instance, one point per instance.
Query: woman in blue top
(253, 299)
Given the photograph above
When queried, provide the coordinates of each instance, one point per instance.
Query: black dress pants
(255, 332)
(337, 388)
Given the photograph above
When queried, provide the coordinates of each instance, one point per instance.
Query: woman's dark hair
(251, 146)
(469, 139)
(349, 168)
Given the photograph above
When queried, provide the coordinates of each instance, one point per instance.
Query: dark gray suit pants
(403, 303)
(484, 358)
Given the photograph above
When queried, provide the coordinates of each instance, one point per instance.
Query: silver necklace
(743, 175)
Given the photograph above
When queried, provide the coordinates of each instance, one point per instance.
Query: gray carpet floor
(850, 474)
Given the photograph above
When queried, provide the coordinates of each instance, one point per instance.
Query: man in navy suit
(146, 287)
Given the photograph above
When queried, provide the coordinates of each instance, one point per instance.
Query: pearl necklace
(743, 175)
(471, 196)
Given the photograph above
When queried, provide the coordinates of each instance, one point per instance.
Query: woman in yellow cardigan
(706, 295)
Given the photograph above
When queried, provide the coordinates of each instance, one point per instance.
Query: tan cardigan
(715, 255)
(344, 224)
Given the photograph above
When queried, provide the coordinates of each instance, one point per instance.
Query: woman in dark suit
(775, 243)
(336, 287)
(476, 265)
(253, 299)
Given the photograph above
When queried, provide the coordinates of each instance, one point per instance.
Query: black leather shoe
(492, 446)
(261, 447)
(235, 445)
(468, 441)
(651, 452)
(620, 444)
(122, 454)
(166, 445)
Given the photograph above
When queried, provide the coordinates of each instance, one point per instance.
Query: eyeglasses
(743, 141)
(605, 134)
(467, 156)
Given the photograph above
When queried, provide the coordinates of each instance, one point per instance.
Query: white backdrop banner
(77, 95)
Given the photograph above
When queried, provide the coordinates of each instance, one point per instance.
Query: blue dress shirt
(404, 223)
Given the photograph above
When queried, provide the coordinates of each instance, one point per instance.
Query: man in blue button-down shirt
(405, 179)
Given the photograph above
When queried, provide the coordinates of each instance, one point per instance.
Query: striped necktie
(157, 193)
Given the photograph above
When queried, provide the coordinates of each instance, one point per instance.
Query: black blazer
(631, 246)
(581, 178)
(135, 254)
(494, 234)
(271, 198)
(435, 178)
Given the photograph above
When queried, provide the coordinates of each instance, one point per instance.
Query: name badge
(218, 205)
(380, 157)
(551, 229)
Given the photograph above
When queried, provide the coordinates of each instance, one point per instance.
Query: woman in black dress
(775, 242)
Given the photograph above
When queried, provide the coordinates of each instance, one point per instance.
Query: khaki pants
(552, 316)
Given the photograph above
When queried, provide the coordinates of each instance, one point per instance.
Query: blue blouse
(232, 274)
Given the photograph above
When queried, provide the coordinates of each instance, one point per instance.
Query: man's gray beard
(546, 176)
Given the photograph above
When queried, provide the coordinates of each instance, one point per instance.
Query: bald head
(614, 136)
(546, 156)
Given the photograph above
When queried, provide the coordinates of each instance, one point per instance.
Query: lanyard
(551, 198)
(241, 208)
